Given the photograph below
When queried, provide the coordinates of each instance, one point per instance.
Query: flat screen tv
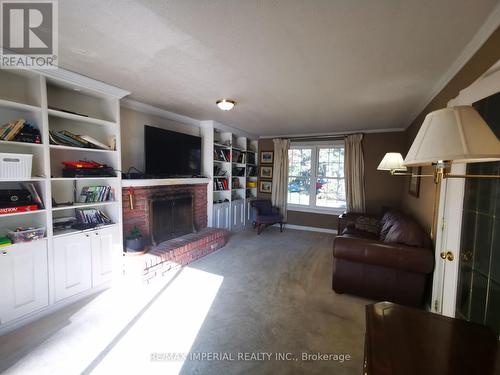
(171, 154)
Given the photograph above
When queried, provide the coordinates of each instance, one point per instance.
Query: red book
(13, 210)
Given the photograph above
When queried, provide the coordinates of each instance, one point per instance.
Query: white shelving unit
(231, 156)
(85, 257)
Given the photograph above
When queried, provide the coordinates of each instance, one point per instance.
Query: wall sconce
(456, 134)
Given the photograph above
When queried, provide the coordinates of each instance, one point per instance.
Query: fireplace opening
(170, 217)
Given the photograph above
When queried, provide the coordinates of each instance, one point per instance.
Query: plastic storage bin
(15, 165)
(26, 235)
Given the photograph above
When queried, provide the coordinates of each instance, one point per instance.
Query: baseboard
(306, 228)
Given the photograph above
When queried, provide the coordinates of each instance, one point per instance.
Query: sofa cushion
(356, 233)
(367, 224)
(387, 221)
(406, 231)
(402, 257)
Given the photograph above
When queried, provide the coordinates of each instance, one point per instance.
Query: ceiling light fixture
(225, 104)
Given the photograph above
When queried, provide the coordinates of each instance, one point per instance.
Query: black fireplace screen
(170, 217)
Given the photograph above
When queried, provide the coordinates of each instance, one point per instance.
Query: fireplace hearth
(170, 217)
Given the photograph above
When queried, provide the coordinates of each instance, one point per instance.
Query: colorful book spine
(15, 210)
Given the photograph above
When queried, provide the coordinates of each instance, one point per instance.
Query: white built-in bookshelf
(55, 101)
(230, 160)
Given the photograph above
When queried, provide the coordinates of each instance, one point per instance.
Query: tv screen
(171, 154)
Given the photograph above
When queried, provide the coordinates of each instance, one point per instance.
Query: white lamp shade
(457, 134)
(392, 161)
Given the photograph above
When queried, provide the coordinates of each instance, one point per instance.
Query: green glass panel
(478, 298)
(482, 246)
(464, 287)
(493, 310)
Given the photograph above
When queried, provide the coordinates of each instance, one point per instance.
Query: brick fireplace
(141, 215)
(179, 214)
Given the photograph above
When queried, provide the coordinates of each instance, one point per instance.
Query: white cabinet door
(238, 214)
(221, 216)
(72, 265)
(250, 212)
(105, 249)
(24, 284)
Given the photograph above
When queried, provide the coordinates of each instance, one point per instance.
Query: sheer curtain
(354, 171)
(280, 175)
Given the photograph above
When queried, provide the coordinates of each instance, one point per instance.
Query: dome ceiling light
(225, 104)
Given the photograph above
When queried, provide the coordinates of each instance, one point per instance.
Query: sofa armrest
(407, 258)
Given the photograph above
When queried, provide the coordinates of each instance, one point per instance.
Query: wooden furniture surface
(402, 340)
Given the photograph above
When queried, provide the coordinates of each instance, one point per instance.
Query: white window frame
(315, 146)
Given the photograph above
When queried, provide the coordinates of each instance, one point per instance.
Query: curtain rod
(318, 138)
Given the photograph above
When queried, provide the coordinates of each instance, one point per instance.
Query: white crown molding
(488, 84)
(155, 111)
(82, 81)
(484, 32)
(332, 134)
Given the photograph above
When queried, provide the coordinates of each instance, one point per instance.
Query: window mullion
(314, 173)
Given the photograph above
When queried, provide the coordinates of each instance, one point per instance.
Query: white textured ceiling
(294, 67)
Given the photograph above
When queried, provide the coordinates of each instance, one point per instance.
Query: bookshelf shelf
(33, 96)
(72, 116)
(84, 205)
(218, 145)
(83, 178)
(32, 179)
(229, 208)
(24, 213)
(19, 106)
(67, 232)
(71, 148)
(21, 144)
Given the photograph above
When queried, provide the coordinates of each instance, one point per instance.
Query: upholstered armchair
(265, 215)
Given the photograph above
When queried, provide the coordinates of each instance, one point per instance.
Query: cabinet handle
(96, 233)
(87, 235)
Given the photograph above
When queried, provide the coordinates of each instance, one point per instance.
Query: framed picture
(266, 157)
(266, 172)
(266, 187)
(414, 187)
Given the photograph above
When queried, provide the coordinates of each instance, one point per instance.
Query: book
(34, 194)
(69, 140)
(94, 142)
(6, 129)
(15, 210)
(56, 140)
(74, 137)
(16, 128)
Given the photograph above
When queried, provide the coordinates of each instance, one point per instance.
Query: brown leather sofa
(387, 259)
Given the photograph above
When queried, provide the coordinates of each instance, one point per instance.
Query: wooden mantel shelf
(164, 181)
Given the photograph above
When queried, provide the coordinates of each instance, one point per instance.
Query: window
(316, 177)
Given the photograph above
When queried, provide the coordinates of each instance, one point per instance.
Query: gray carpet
(276, 297)
(259, 294)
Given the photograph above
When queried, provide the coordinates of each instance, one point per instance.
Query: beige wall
(382, 189)
(132, 134)
(482, 60)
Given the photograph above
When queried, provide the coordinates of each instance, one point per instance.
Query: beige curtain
(280, 174)
(354, 171)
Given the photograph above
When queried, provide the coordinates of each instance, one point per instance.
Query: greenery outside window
(316, 177)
